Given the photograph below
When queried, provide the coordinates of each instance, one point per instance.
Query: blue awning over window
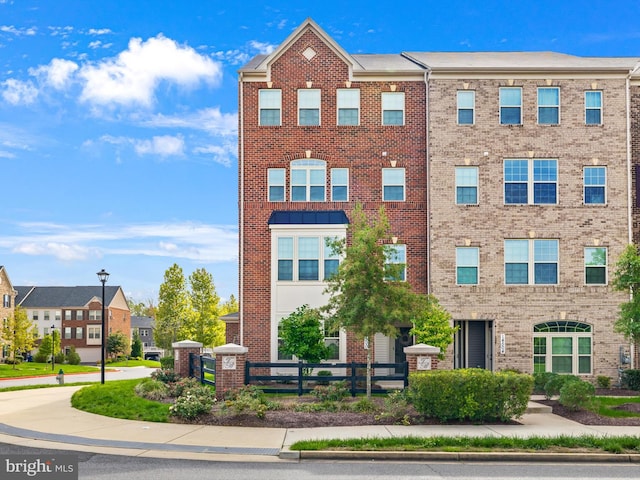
(308, 217)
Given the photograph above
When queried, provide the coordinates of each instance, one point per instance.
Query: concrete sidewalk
(44, 418)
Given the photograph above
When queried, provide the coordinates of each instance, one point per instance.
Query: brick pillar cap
(186, 344)
(230, 348)
(421, 348)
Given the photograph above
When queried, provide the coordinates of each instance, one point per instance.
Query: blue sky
(118, 119)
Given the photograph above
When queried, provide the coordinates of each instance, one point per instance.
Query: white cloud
(182, 240)
(211, 120)
(17, 92)
(61, 31)
(261, 47)
(222, 154)
(99, 31)
(164, 146)
(18, 31)
(4, 154)
(57, 73)
(132, 77)
(95, 44)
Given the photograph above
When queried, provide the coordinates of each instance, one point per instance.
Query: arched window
(562, 347)
(308, 180)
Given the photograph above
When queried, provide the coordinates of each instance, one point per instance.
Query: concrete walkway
(44, 418)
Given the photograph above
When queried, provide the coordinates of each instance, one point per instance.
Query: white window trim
(477, 184)
(307, 165)
(404, 108)
(404, 184)
(260, 108)
(340, 106)
(585, 186)
(315, 105)
(473, 107)
(530, 181)
(605, 266)
(339, 184)
(601, 108)
(574, 354)
(547, 106)
(531, 263)
(284, 184)
(500, 106)
(476, 266)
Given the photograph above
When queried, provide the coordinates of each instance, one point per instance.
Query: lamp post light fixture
(103, 276)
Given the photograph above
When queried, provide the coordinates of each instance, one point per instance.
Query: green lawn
(32, 369)
(605, 406)
(118, 399)
(135, 363)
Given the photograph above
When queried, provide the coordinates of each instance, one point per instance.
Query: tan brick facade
(509, 312)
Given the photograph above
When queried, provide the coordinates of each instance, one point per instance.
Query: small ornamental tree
(626, 278)
(117, 344)
(365, 296)
(303, 336)
(432, 325)
(19, 333)
(136, 345)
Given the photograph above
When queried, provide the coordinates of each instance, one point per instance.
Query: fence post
(300, 379)
(230, 368)
(422, 357)
(353, 379)
(181, 351)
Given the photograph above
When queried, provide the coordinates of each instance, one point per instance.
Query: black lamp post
(53, 347)
(103, 276)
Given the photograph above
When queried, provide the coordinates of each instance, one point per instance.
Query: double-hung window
(6, 300)
(510, 106)
(467, 259)
(530, 181)
(531, 262)
(285, 258)
(308, 258)
(308, 178)
(348, 100)
(309, 107)
(393, 108)
(548, 106)
(396, 263)
(595, 265)
(595, 182)
(331, 260)
(339, 184)
(593, 107)
(276, 179)
(393, 184)
(466, 107)
(270, 107)
(466, 185)
(67, 314)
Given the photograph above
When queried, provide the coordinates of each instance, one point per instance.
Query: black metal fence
(298, 382)
(203, 368)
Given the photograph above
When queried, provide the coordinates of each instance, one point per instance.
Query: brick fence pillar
(230, 363)
(422, 357)
(181, 351)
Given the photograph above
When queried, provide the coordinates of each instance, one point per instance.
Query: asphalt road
(113, 467)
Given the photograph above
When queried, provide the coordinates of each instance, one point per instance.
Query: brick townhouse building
(76, 312)
(506, 178)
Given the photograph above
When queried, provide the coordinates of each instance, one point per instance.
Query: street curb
(462, 456)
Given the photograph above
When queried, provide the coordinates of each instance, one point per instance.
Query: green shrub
(73, 357)
(13, 361)
(60, 357)
(364, 405)
(193, 402)
(631, 379)
(178, 388)
(40, 357)
(152, 389)
(324, 373)
(248, 398)
(334, 392)
(396, 407)
(540, 379)
(577, 394)
(166, 363)
(556, 382)
(165, 375)
(603, 381)
(470, 394)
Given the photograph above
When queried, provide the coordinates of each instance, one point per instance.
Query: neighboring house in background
(511, 182)
(144, 326)
(76, 312)
(232, 331)
(7, 307)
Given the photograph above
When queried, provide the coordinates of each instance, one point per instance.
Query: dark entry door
(473, 344)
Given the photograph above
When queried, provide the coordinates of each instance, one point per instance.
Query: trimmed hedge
(631, 379)
(470, 394)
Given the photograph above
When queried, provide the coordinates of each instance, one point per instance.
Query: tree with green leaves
(626, 278)
(137, 349)
(141, 309)
(432, 324)
(364, 297)
(174, 308)
(204, 325)
(230, 306)
(302, 335)
(19, 333)
(117, 344)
